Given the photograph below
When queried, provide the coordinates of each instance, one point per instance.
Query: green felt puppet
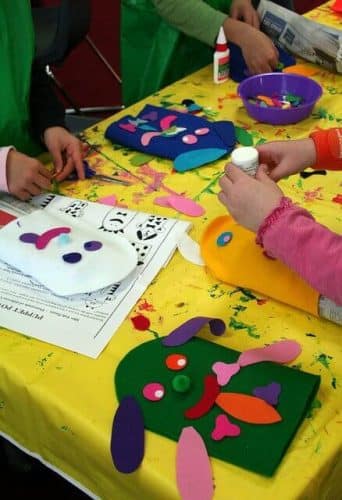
(177, 387)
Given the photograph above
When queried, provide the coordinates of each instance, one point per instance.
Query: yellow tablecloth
(60, 405)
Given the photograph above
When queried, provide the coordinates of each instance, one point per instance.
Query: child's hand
(247, 199)
(285, 158)
(26, 176)
(66, 152)
(260, 54)
(244, 10)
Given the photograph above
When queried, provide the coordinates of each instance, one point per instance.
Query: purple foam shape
(190, 328)
(92, 246)
(28, 237)
(151, 116)
(269, 393)
(72, 258)
(127, 443)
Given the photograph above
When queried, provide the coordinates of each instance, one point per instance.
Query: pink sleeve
(3, 172)
(291, 235)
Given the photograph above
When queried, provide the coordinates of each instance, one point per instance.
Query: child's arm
(328, 145)
(291, 235)
(283, 158)
(3, 169)
(21, 175)
(286, 232)
(195, 18)
(199, 20)
(45, 108)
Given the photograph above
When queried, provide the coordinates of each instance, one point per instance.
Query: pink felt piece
(283, 351)
(146, 138)
(128, 126)
(224, 428)
(162, 201)
(44, 239)
(193, 470)
(167, 121)
(110, 200)
(202, 131)
(189, 139)
(186, 206)
(153, 391)
(225, 371)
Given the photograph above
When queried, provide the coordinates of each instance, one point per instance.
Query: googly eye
(153, 391)
(176, 362)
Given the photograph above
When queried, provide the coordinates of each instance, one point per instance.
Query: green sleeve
(195, 18)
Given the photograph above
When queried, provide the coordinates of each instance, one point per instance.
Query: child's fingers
(225, 183)
(23, 195)
(43, 171)
(234, 173)
(223, 198)
(68, 168)
(262, 174)
(33, 189)
(42, 181)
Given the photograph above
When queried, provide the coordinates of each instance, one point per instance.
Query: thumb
(262, 174)
(57, 158)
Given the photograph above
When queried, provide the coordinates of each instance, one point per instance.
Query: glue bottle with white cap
(246, 158)
(221, 58)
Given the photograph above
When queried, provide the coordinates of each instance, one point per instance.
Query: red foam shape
(207, 401)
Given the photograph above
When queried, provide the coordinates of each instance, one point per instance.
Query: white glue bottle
(221, 58)
(246, 158)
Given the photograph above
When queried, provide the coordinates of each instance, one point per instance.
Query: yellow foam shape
(242, 263)
(301, 69)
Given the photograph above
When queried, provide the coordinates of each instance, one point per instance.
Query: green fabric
(150, 62)
(16, 55)
(259, 448)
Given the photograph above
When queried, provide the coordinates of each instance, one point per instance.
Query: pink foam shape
(167, 121)
(189, 139)
(128, 126)
(186, 206)
(193, 470)
(146, 138)
(44, 239)
(283, 351)
(162, 201)
(202, 131)
(224, 428)
(110, 200)
(225, 371)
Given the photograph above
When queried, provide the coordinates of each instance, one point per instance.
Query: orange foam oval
(247, 408)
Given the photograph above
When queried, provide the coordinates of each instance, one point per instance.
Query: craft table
(59, 406)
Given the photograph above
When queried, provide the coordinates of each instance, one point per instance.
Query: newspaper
(85, 323)
(312, 41)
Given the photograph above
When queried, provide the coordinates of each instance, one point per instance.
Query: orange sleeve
(328, 144)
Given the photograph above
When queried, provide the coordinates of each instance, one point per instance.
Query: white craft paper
(190, 250)
(111, 263)
(85, 323)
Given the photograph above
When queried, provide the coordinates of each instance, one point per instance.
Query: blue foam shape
(196, 158)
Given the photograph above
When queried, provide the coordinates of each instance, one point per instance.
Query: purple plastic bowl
(270, 84)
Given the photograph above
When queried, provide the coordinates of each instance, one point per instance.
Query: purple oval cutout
(92, 246)
(127, 444)
(28, 237)
(72, 258)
